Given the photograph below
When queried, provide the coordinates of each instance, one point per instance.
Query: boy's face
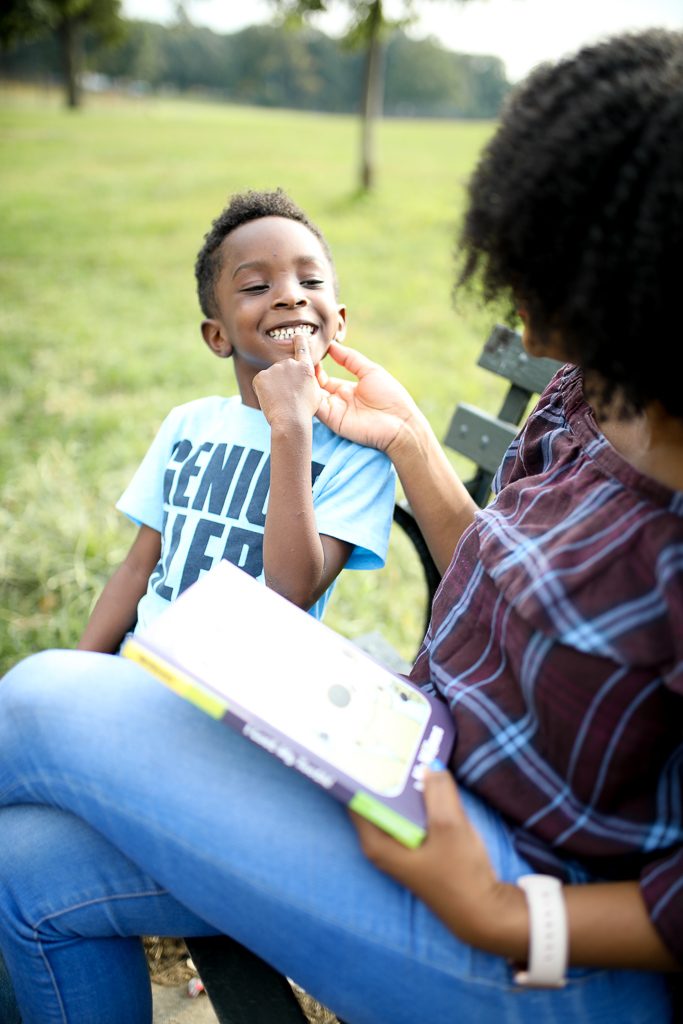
(275, 280)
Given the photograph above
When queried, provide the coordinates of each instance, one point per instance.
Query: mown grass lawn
(103, 212)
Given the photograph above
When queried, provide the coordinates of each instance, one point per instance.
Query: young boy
(255, 479)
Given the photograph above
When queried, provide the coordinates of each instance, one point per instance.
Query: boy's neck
(249, 398)
(246, 388)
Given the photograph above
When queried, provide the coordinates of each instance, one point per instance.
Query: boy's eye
(254, 288)
(313, 282)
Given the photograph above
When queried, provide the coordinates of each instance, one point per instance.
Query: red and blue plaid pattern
(557, 640)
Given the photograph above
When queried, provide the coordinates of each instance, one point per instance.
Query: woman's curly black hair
(576, 211)
(242, 208)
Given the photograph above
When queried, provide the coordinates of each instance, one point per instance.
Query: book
(302, 692)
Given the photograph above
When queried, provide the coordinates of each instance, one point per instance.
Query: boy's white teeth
(289, 332)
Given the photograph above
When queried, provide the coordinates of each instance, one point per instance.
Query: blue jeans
(124, 811)
(9, 1011)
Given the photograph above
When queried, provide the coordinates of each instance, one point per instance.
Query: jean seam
(51, 976)
(116, 897)
(66, 910)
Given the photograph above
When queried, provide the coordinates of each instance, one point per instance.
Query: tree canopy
(368, 29)
(260, 65)
(66, 20)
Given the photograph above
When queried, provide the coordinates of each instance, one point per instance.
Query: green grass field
(103, 212)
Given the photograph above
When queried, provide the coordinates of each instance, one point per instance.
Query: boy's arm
(116, 608)
(298, 562)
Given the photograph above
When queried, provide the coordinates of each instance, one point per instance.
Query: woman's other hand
(451, 872)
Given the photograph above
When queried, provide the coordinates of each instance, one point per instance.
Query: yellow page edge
(177, 680)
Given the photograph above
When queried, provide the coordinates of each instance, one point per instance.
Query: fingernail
(437, 765)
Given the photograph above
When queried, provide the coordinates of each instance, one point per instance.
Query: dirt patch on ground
(168, 960)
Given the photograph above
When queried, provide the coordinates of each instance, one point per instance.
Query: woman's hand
(451, 872)
(371, 410)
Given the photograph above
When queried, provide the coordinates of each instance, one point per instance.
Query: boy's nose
(290, 296)
(290, 303)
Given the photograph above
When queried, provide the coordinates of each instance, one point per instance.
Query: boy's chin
(318, 349)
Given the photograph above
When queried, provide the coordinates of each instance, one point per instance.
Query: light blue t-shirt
(204, 483)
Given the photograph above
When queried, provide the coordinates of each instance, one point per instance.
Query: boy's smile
(275, 282)
(288, 331)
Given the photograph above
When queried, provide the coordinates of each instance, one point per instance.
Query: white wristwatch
(548, 932)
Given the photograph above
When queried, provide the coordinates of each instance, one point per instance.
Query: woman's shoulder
(562, 443)
(576, 533)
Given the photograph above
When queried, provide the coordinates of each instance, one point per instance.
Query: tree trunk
(372, 94)
(70, 44)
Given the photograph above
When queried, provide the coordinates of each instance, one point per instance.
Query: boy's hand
(371, 410)
(451, 871)
(288, 391)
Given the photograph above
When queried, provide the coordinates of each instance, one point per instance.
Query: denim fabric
(9, 1011)
(124, 810)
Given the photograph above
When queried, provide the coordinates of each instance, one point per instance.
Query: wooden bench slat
(479, 437)
(504, 355)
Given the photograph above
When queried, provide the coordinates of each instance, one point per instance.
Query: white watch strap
(548, 932)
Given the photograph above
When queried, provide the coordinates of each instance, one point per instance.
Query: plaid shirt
(557, 639)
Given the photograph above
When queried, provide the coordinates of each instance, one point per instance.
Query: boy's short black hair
(242, 208)
(576, 210)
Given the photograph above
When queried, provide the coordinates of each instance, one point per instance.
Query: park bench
(242, 988)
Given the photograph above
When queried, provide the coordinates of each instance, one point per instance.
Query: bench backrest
(484, 438)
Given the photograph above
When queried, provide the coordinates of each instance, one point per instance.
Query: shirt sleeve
(354, 501)
(661, 884)
(143, 499)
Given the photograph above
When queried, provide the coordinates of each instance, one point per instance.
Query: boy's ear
(215, 337)
(341, 326)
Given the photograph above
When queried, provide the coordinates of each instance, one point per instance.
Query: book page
(253, 648)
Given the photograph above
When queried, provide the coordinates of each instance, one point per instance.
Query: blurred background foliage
(266, 65)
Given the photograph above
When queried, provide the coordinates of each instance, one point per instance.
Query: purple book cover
(302, 692)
